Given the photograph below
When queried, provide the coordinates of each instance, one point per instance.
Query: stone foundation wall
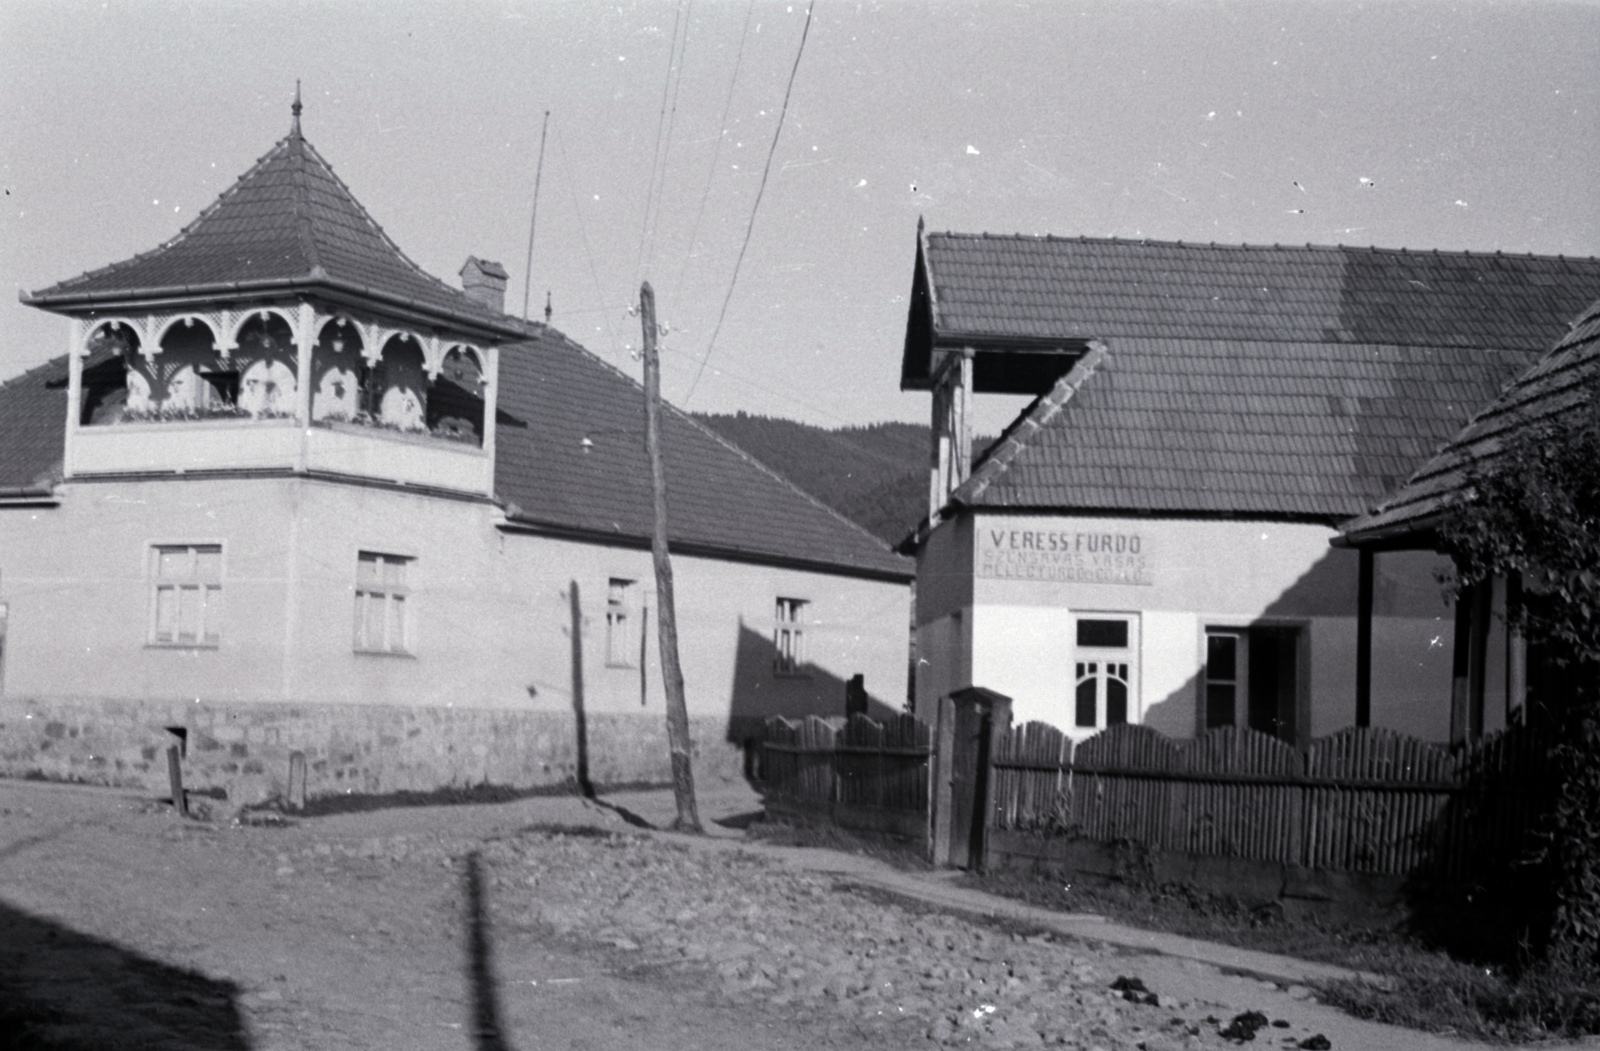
(243, 749)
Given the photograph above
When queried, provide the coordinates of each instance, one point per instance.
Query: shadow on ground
(488, 1024)
(65, 991)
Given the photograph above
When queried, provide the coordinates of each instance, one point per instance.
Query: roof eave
(517, 520)
(29, 496)
(1412, 534)
(348, 293)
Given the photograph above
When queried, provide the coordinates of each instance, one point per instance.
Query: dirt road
(525, 926)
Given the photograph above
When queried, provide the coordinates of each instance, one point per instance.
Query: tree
(1533, 513)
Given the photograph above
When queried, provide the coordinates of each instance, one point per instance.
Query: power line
(716, 153)
(656, 164)
(760, 191)
(583, 234)
(672, 123)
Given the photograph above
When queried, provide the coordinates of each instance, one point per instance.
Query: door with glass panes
(1105, 668)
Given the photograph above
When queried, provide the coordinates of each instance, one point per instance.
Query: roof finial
(294, 129)
(547, 308)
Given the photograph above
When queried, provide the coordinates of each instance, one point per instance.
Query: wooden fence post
(180, 802)
(297, 780)
(939, 773)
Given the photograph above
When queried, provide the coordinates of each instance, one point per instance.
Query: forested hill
(876, 476)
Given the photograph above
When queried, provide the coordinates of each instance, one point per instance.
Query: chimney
(485, 282)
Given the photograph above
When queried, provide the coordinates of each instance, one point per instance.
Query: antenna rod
(527, 272)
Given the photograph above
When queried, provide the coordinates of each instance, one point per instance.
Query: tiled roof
(289, 224)
(1284, 382)
(569, 457)
(1314, 431)
(1055, 288)
(1558, 384)
(33, 418)
(572, 457)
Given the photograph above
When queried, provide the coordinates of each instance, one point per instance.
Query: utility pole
(666, 613)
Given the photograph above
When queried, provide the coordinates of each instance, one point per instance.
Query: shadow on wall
(761, 691)
(1177, 715)
(65, 990)
(1327, 589)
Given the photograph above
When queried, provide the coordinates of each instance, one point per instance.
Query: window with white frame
(789, 637)
(622, 633)
(382, 601)
(186, 594)
(1104, 670)
(1227, 658)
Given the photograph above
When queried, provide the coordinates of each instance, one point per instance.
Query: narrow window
(186, 601)
(621, 606)
(788, 637)
(1222, 678)
(382, 600)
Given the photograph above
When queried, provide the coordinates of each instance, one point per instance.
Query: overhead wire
(839, 420)
(657, 166)
(756, 207)
(716, 153)
(672, 123)
(583, 234)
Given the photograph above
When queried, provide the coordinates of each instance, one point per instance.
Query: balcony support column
(75, 352)
(491, 398)
(305, 342)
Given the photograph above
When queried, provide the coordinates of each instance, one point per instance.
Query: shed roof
(1558, 385)
(1285, 382)
(288, 225)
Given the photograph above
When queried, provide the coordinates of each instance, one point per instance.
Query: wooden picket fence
(1362, 800)
(857, 771)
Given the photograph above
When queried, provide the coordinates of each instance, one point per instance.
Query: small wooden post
(297, 780)
(678, 742)
(175, 777)
(1364, 637)
(855, 695)
(940, 774)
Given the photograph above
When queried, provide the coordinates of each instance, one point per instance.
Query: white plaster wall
(1032, 574)
(943, 659)
(1171, 655)
(490, 613)
(1026, 654)
(1411, 660)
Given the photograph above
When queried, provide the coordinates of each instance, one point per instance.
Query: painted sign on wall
(1066, 556)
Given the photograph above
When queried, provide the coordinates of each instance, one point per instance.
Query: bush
(1532, 513)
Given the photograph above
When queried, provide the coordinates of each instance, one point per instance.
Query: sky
(1454, 125)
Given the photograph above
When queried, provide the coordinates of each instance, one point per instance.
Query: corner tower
(281, 330)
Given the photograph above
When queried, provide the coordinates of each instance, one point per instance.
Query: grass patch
(1428, 989)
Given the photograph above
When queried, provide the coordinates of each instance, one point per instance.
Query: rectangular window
(382, 599)
(1223, 679)
(1103, 686)
(788, 637)
(186, 600)
(621, 617)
